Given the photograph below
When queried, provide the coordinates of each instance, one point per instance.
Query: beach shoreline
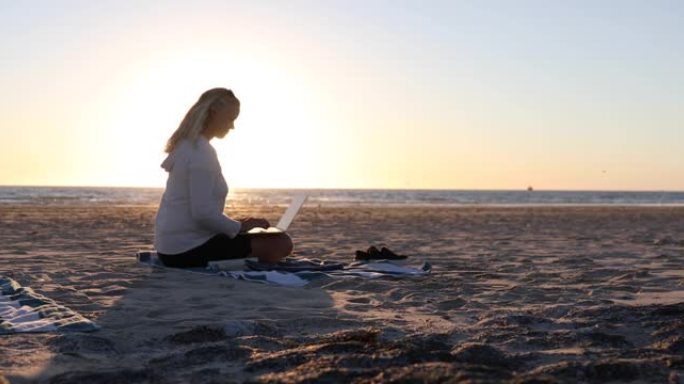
(516, 293)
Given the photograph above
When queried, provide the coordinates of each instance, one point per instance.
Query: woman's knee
(286, 244)
(272, 249)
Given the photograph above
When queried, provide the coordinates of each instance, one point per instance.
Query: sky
(569, 95)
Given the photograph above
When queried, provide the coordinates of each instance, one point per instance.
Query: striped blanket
(297, 272)
(22, 311)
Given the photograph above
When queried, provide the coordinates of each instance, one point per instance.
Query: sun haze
(349, 94)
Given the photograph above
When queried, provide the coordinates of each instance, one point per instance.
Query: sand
(517, 295)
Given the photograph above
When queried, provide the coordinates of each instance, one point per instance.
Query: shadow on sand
(179, 326)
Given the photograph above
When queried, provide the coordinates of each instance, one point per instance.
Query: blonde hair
(195, 121)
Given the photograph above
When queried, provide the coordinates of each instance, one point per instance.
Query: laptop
(284, 222)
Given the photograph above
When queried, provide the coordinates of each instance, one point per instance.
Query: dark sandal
(387, 254)
(361, 255)
(374, 253)
(371, 253)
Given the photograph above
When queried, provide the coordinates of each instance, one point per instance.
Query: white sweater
(191, 209)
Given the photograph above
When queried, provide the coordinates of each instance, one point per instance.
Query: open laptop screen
(291, 212)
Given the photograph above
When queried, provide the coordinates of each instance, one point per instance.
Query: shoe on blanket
(374, 254)
(361, 255)
(389, 255)
(371, 253)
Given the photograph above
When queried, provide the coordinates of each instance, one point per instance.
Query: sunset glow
(349, 94)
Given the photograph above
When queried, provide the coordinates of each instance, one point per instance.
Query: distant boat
(530, 189)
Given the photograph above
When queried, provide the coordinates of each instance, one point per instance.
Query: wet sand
(517, 295)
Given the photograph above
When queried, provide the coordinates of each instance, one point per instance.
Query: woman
(191, 229)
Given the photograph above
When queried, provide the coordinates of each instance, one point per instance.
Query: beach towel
(24, 311)
(292, 271)
(294, 264)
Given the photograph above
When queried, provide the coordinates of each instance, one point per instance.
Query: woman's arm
(202, 182)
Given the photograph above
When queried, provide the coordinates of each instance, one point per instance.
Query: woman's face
(222, 120)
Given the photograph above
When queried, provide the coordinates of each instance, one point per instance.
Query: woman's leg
(219, 247)
(270, 249)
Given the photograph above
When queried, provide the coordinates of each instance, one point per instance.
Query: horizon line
(364, 189)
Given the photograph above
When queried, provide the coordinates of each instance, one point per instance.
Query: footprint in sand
(359, 300)
(450, 304)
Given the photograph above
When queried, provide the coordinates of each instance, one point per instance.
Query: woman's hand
(251, 222)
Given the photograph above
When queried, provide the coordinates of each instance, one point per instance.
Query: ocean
(344, 197)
